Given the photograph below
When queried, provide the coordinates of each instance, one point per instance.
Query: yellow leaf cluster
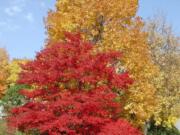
(9, 70)
(14, 69)
(142, 100)
(112, 25)
(73, 15)
(3, 70)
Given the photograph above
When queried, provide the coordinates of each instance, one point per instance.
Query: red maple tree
(75, 92)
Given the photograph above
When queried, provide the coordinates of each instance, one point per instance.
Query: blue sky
(169, 8)
(22, 30)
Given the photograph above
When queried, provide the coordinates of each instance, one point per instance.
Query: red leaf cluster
(72, 62)
(83, 113)
(74, 94)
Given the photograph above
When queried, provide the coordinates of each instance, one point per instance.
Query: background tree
(75, 93)
(9, 70)
(112, 25)
(9, 91)
(4, 59)
(12, 97)
(14, 68)
(165, 51)
(154, 129)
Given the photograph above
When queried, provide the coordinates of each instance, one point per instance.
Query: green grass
(4, 129)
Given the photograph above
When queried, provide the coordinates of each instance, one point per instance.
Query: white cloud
(13, 27)
(13, 10)
(29, 17)
(8, 25)
(2, 24)
(42, 4)
(15, 7)
(21, 3)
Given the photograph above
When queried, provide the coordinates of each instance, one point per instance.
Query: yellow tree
(14, 68)
(165, 52)
(9, 70)
(3, 70)
(112, 25)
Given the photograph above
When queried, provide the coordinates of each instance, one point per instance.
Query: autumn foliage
(8, 71)
(4, 58)
(75, 92)
(164, 45)
(112, 25)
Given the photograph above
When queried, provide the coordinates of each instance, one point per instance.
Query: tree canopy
(75, 93)
(112, 25)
